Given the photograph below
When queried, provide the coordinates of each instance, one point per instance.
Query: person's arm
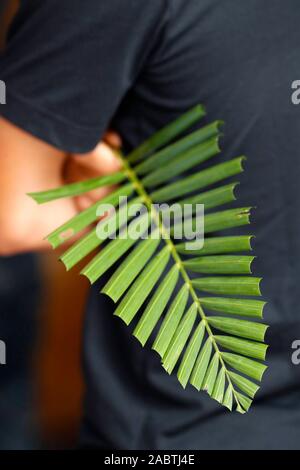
(27, 164)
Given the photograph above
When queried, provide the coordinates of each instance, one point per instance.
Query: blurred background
(41, 323)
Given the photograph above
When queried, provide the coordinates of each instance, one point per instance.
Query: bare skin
(28, 164)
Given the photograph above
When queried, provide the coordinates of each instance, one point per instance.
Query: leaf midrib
(138, 186)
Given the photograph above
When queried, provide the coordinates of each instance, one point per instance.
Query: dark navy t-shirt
(73, 68)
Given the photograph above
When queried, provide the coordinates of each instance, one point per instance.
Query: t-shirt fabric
(73, 68)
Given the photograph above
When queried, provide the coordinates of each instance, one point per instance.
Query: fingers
(85, 201)
(113, 139)
(100, 162)
(78, 172)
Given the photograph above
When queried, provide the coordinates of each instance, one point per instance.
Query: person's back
(141, 64)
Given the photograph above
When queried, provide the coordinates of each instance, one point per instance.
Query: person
(73, 70)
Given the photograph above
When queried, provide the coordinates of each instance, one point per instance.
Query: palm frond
(221, 353)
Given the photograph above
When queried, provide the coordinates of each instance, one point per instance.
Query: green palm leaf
(220, 354)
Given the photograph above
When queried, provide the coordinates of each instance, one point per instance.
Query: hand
(28, 164)
(99, 162)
